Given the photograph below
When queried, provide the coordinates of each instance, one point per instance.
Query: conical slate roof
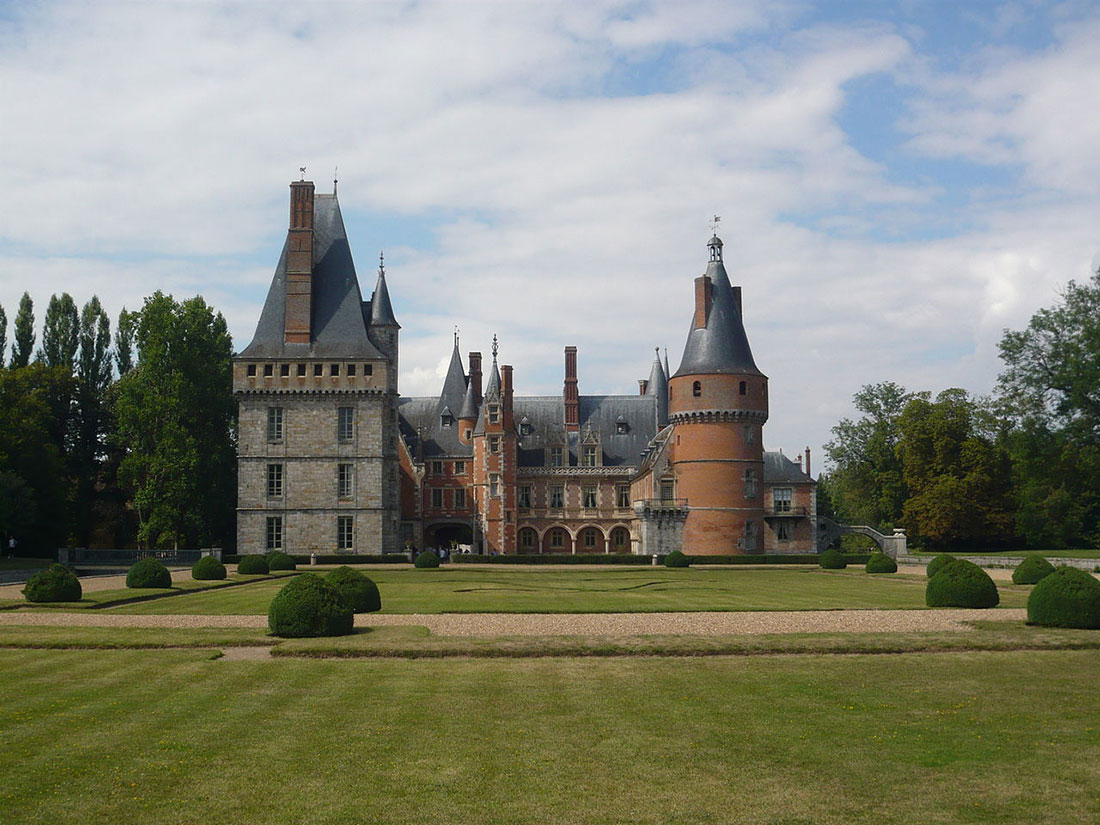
(722, 345)
(469, 402)
(658, 388)
(492, 392)
(381, 310)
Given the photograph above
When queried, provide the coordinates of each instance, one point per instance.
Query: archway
(448, 534)
(557, 540)
(590, 540)
(527, 540)
(620, 540)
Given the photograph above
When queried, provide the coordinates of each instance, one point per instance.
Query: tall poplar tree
(60, 332)
(3, 334)
(124, 341)
(93, 374)
(23, 345)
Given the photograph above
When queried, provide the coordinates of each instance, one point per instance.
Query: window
(437, 468)
(460, 499)
(274, 533)
(351, 370)
(269, 370)
(555, 456)
(781, 497)
(437, 499)
(345, 533)
(750, 483)
(466, 433)
(557, 538)
(301, 370)
(318, 370)
(345, 423)
(334, 370)
(460, 468)
(621, 428)
(494, 414)
(620, 540)
(494, 485)
(251, 370)
(368, 369)
(345, 480)
(697, 388)
(274, 423)
(589, 537)
(284, 370)
(525, 428)
(525, 497)
(750, 536)
(446, 419)
(274, 480)
(557, 497)
(666, 491)
(589, 497)
(743, 388)
(784, 530)
(749, 434)
(494, 444)
(589, 456)
(622, 496)
(527, 538)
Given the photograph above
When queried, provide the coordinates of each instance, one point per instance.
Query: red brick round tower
(718, 403)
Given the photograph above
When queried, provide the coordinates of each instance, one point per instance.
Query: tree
(90, 419)
(3, 334)
(23, 345)
(175, 412)
(124, 341)
(60, 332)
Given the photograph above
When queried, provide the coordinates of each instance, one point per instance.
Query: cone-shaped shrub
(280, 561)
(881, 563)
(961, 584)
(832, 560)
(208, 568)
(148, 573)
(309, 606)
(357, 590)
(253, 564)
(1068, 597)
(938, 563)
(57, 583)
(1032, 570)
(426, 560)
(677, 559)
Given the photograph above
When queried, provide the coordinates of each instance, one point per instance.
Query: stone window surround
(345, 533)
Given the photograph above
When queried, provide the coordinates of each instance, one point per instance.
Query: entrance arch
(446, 533)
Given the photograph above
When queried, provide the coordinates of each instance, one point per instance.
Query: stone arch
(591, 539)
(533, 544)
(548, 539)
(442, 532)
(828, 531)
(619, 531)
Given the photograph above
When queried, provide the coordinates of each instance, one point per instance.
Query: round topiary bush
(961, 584)
(208, 568)
(253, 564)
(938, 563)
(357, 590)
(280, 561)
(309, 606)
(427, 560)
(677, 559)
(881, 563)
(1068, 597)
(148, 573)
(1032, 570)
(832, 560)
(56, 583)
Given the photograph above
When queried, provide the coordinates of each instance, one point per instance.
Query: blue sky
(898, 182)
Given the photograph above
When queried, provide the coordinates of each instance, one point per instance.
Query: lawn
(1051, 554)
(171, 736)
(450, 590)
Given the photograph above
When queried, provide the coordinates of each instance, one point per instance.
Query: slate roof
(722, 345)
(778, 469)
(658, 388)
(339, 329)
(427, 414)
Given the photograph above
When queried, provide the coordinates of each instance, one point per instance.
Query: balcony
(664, 503)
(786, 510)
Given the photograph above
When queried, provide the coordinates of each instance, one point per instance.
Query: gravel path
(583, 624)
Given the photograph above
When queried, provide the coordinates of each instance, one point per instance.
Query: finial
(456, 336)
(302, 169)
(381, 263)
(494, 346)
(657, 352)
(335, 179)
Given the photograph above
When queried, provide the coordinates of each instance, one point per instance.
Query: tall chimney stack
(570, 396)
(643, 385)
(704, 297)
(506, 393)
(299, 265)
(475, 375)
(807, 468)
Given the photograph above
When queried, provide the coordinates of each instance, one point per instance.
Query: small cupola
(715, 246)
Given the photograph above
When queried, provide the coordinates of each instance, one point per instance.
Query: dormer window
(446, 419)
(525, 426)
(621, 427)
(494, 414)
(697, 388)
(589, 456)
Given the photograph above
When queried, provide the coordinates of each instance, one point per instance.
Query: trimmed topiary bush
(961, 584)
(280, 561)
(1032, 570)
(937, 564)
(208, 568)
(253, 564)
(832, 560)
(148, 573)
(357, 590)
(881, 563)
(426, 560)
(677, 559)
(56, 583)
(309, 606)
(1068, 597)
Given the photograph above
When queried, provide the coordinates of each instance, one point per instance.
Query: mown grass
(171, 736)
(109, 638)
(1086, 553)
(601, 591)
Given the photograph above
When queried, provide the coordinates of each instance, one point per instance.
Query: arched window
(620, 540)
(697, 388)
(750, 483)
(527, 539)
(590, 538)
(743, 388)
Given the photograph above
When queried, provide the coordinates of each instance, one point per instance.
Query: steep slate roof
(469, 402)
(658, 388)
(381, 310)
(722, 345)
(778, 469)
(427, 414)
(338, 328)
(492, 391)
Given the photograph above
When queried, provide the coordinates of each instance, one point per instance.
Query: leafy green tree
(3, 335)
(124, 341)
(60, 332)
(175, 412)
(23, 345)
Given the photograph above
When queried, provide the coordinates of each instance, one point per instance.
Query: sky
(898, 183)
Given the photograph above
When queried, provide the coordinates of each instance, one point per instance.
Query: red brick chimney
(506, 394)
(572, 415)
(299, 264)
(704, 297)
(806, 469)
(475, 375)
(643, 385)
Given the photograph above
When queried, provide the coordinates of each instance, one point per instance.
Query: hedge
(677, 559)
(631, 558)
(1068, 597)
(253, 564)
(208, 568)
(427, 560)
(309, 606)
(961, 584)
(148, 573)
(832, 560)
(938, 563)
(1032, 570)
(333, 558)
(280, 561)
(881, 563)
(360, 593)
(56, 583)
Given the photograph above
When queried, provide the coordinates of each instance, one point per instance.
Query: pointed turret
(383, 328)
(471, 401)
(657, 386)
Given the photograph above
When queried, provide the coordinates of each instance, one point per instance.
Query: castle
(333, 459)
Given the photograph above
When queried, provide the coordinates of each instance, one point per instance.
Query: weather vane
(456, 336)
(302, 169)
(381, 262)
(494, 346)
(714, 224)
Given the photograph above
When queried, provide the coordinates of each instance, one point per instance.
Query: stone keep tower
(718, 403)
(317, 394)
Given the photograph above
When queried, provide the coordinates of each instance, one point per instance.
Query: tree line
(117, 441)
(1020, 467)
